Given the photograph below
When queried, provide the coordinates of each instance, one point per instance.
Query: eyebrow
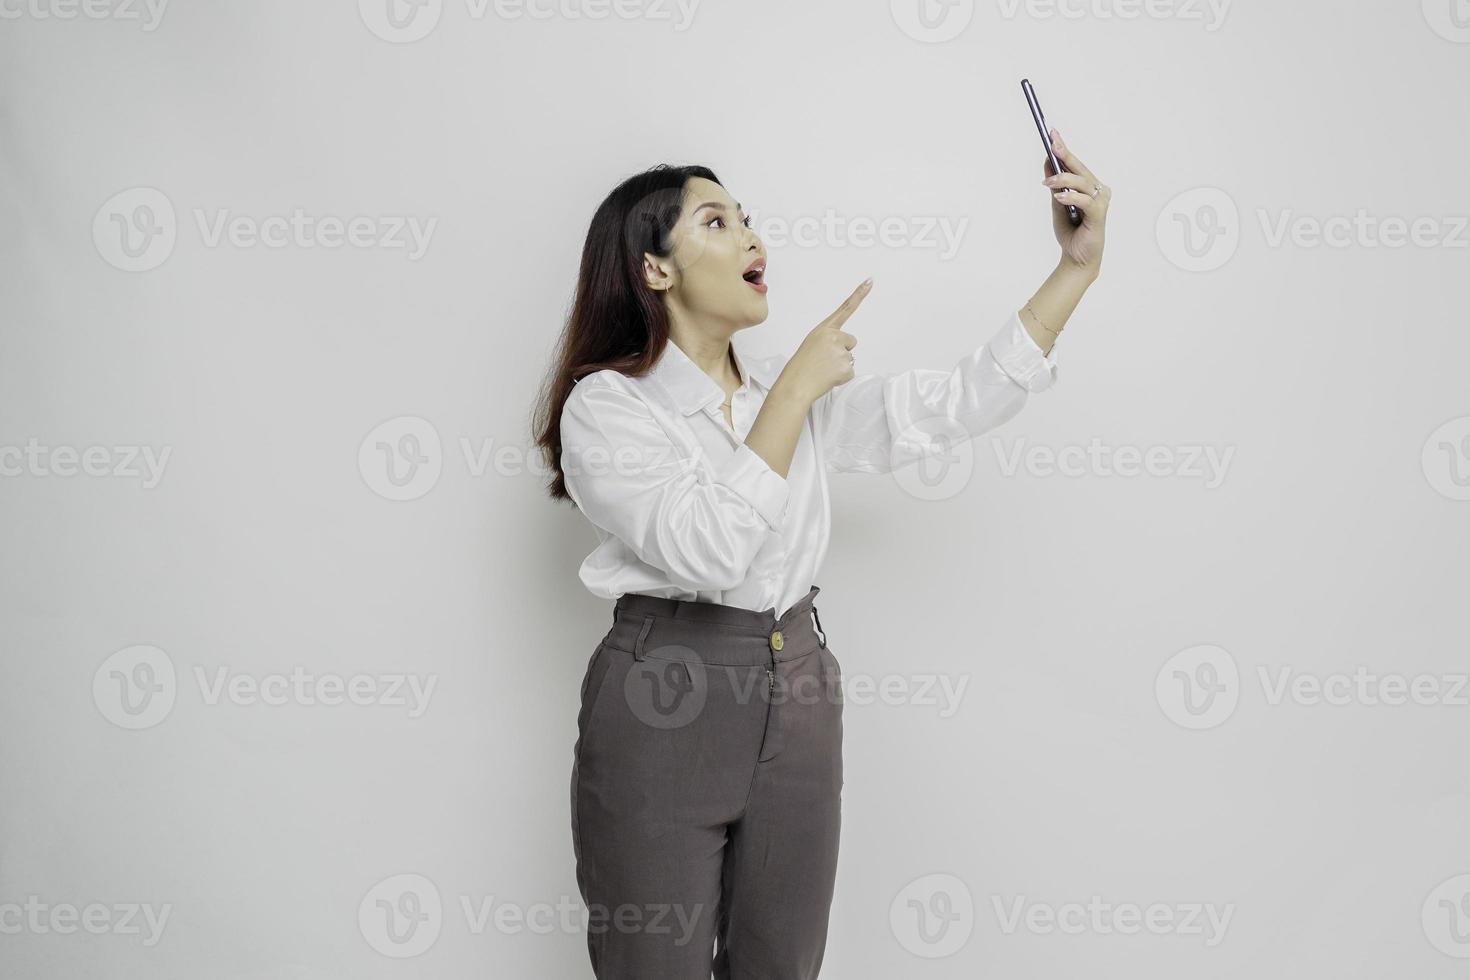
(717, 206)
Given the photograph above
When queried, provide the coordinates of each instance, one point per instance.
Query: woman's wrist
(786, 390)
(1080, 276)
(1046, 313)
(1041, 334)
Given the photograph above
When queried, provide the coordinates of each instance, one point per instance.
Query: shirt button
(777, 640)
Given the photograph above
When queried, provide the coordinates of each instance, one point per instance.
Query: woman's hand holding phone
(1079, 187)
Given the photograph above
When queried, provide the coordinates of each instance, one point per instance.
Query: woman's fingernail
(868, 282)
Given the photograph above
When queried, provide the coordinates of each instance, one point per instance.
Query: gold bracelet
(1039, 320)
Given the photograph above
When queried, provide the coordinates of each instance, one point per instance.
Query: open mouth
(756, 276)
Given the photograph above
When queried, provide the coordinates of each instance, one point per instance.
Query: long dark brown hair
(616, 320)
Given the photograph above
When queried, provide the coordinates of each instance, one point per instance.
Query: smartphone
(1074, 214)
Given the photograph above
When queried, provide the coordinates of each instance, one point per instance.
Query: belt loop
(823, 636)
(638, 644)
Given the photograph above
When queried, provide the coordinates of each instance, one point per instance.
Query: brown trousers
(706, 792)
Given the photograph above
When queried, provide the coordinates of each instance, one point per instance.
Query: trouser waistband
(650, 627)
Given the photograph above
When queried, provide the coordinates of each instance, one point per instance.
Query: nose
(752, 240)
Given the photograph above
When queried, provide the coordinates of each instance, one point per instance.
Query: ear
(657, 273)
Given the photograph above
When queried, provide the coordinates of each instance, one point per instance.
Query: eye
(721, 221)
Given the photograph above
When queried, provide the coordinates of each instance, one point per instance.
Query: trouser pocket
(592, 684)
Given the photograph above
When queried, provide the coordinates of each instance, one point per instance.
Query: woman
(707, 773)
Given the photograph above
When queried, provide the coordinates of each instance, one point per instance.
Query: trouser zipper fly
(777, 641)
(771, 739)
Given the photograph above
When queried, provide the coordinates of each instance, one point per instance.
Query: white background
(1333, 834)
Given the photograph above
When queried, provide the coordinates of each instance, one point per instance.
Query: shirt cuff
(763, 488)
(1020, 357)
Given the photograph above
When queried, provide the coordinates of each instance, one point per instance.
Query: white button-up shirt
(683, 509)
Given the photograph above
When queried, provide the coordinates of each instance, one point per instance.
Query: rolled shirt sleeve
(752, 478)
(624, 472)
(877, 422)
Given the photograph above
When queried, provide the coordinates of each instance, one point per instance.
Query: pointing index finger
(849, 306)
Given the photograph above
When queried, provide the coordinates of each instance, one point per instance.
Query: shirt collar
(692, 389)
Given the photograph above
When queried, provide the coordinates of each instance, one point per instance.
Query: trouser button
(777, 641)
